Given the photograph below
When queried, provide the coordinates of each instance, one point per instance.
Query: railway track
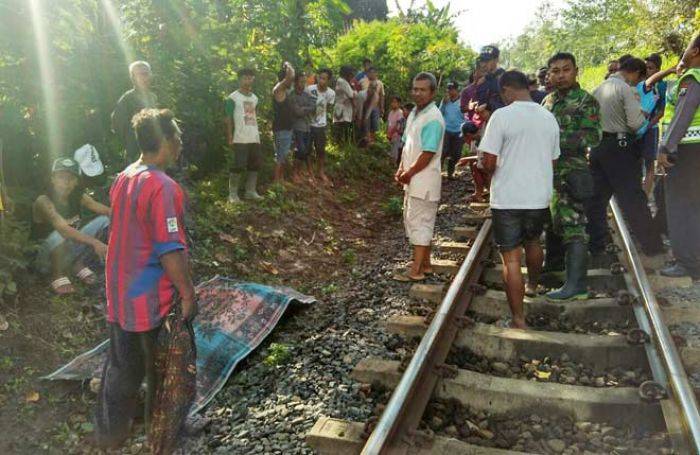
(596, 376)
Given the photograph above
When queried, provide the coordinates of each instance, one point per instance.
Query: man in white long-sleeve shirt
(617, 162)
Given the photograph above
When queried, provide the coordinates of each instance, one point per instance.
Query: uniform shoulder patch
(171, 224)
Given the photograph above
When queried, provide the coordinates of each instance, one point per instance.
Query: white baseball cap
(89, 160)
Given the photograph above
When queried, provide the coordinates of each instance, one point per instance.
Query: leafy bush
(400, 49)
(278, 354)
(394, 206)
(15, 250)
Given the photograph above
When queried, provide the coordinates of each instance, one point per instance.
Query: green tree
(400, 50)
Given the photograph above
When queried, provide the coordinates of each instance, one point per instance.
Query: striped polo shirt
(147, 222)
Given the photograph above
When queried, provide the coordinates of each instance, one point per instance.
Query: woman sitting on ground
(66, 240)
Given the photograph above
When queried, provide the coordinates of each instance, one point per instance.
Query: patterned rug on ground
(234, 318)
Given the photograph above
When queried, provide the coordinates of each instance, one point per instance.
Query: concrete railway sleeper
(596, 376)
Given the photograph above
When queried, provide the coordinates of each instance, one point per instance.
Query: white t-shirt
(243, 110)
(323, 99)
(525, 138)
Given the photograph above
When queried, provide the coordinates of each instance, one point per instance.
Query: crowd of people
(549, 156)
(546, 154)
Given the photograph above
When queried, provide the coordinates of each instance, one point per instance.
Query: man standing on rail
(577, 113)
(520, 146)
(680, 155)
(420, 174)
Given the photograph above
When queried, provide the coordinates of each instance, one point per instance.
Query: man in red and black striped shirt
(147, 264)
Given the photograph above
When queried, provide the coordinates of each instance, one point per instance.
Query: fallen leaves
(544, 375)
(228, 238)
(269, 268)
(32, 397)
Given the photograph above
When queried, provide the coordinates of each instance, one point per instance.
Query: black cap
(66, 164)
(489, 53)
(453, 85)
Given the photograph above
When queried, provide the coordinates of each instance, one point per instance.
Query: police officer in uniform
(680, 155)
(577, 113)
(616, 164)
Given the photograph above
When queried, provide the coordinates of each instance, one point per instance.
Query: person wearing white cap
(66, 240)
(89, 161)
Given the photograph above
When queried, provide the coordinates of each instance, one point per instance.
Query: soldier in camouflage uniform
(577, 113)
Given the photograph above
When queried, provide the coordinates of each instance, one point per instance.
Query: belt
(623, 139)
(616, 135)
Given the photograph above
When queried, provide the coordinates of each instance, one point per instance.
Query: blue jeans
(76, 250)
(283, 144)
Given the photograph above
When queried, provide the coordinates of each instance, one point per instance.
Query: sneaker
(674, 271)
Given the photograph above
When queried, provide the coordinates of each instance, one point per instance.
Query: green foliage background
(596, 31)
(63, 65)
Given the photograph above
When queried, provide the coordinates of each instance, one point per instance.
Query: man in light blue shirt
(452, 113)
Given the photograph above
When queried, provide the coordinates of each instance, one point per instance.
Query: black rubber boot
(554, 253)
(575, 287)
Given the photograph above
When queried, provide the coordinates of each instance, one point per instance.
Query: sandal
(62, 286)
(539, 289)
(475, 198)
(87, 276)
(404, 277)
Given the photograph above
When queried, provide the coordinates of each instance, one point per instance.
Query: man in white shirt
(242, 134)
(325, 96)
(520, 146)
(420, 174)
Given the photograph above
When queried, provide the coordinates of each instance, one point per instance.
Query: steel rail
(392, 422)
(677, 378)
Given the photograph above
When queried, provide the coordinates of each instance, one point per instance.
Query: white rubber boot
(234, 182)
(250, 184)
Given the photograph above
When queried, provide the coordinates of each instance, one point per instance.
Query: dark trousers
(246, 157)
(660, 199)
(683, 208)
(342, 132)
(130, 359)
(615, 166)
(318, 142)
(452, 150)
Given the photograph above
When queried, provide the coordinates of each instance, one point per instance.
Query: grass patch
(278, 354)
(393, 206)
(349, 257)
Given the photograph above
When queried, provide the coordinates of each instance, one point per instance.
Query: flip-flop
(404, 277)
(539, 290)
(86, 275)
(62, 286)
